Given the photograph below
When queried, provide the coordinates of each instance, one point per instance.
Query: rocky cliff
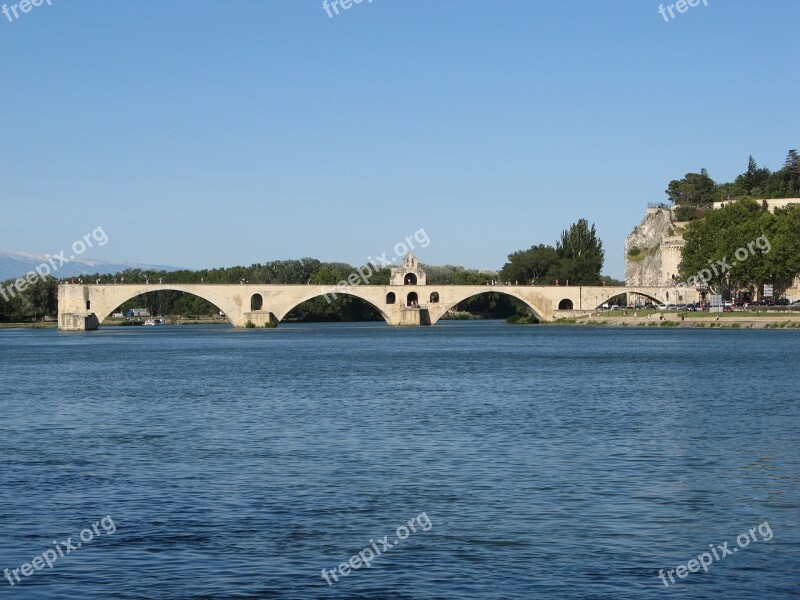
(643, 258)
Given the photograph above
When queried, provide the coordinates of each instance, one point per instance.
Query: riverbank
(116, 322)
(112, 322)
(602, 319)
(686, 320)
(36, 325)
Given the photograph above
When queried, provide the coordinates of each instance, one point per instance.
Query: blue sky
(202, 133)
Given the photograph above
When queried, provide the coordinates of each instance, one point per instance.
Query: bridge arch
(451, 303)
(104, 302)
(613, 294)
(565, 304)
(333, 292)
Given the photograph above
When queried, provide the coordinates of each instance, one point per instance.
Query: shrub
(522, 320)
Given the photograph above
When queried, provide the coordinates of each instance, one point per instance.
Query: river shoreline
(613, 319)
(685, 320)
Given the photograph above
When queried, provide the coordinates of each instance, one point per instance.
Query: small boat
(154, 322)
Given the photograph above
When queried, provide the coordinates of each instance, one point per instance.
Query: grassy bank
(36, 325)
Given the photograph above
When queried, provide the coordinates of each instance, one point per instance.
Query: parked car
(782, 302)
(691, 307)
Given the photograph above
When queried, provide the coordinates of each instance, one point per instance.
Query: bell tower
(409, 273)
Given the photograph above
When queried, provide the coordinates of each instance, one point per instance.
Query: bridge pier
(82, 321)
(412, 317)
(259, 318)
(75, 310)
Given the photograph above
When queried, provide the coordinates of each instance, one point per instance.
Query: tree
(754, 179)
(40, 299)
(782, 262)
(580, 253)
(717, 237)
(325, 276)
(792, 159)
(694, 190)
(742, 245)
(577, 259)
(535, 265)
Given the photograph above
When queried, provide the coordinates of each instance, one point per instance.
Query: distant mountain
(16, 264)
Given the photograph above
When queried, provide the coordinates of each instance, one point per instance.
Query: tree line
(695, 193)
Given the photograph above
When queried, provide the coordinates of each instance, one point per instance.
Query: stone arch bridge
(83, 307)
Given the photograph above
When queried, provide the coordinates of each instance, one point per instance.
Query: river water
(531, 462)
